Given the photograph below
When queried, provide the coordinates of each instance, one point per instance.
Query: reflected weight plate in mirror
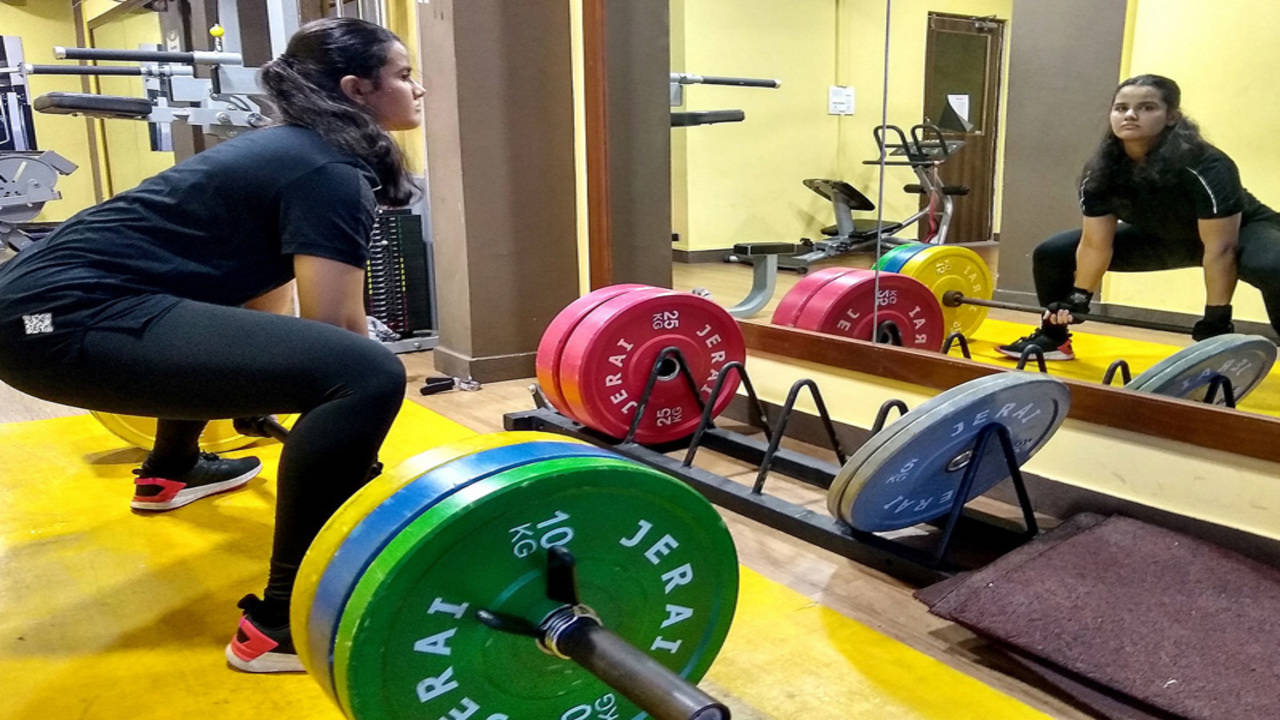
(382, 523)
(794, 301)
(551, 345)
(943, 268)
(1243, 359)
(844, 307)
(897, 257)
(654, 562)
(914, 475)
(609, 357)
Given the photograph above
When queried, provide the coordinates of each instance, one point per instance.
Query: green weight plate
(913, 477)
(875, 442)
(896, 262)
(1243, 359)
(893, 252)
(377, 529)
(654, 561)
(330, 538)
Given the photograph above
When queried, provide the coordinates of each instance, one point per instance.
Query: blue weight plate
(1243, 359)
(385, 521)
(913, 477)
(895, 263)
(864, 451)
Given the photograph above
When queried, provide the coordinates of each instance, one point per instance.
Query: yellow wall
(580, 142)
(128, 159)
(1220, 60)
(402, 19)
(742, 182)
(42, 25)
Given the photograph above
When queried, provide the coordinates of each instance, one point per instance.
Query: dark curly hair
(1177, 146)
(303, 84)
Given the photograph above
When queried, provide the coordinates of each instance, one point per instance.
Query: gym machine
(710, 117)
(924, 149)
(28, 176)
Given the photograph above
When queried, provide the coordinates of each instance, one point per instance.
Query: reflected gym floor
(1096, 344)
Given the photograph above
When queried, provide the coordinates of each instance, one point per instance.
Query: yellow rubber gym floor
(107, 614)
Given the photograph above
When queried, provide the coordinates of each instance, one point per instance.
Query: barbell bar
(955, 298)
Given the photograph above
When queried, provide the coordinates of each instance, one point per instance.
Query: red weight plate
(843, 307)
(608, 358)
(794, 301)
(551, 346)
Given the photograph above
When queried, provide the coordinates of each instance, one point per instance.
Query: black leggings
(1257, 260)
(198, 362)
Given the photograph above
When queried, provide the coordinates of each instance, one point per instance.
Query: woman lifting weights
(135, 306)
(1156, 196)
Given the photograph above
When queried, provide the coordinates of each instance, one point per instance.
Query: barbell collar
(663, 694)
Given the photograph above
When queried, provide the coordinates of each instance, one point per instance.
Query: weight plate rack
(968, 538)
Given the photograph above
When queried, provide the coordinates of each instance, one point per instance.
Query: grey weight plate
(16, 175)
(1206, 347)
(946, 398)
(913, 477)
(1243, 359)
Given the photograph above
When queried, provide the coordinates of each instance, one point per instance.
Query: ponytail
(303, 84)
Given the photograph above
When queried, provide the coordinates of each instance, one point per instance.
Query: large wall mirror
(1023, 89)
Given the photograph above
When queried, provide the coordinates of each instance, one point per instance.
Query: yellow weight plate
(373, 494)
(952, 267)
(218, 436)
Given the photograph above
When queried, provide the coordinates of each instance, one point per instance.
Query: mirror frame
(1218, 428)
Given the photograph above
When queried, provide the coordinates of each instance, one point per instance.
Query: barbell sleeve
(189, 58)
(145, 70)
(955, 298)
(643, 680)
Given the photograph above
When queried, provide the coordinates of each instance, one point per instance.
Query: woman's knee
(383, 375)
(1057, 249)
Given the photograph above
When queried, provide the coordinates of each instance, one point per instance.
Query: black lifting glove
(1077, 302)
(1216, 321)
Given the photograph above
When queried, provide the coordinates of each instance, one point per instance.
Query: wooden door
(963, 64)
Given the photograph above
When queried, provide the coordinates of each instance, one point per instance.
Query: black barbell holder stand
(954, 338)
(1028, 352)
(882, 415)
(775, 438)
(1125, 375)
(978, 453)
(1228, 392)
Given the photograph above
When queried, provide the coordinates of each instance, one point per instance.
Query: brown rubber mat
(1137, 611)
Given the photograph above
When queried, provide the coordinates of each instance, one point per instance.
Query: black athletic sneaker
(1053, 349)
(210, 476)
(260, 649)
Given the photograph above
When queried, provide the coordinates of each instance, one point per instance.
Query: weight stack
(398, 278)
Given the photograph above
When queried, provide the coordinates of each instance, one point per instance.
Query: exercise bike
(924, 152)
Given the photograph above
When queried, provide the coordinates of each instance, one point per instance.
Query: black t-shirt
(220, 227)
(1209, 188)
